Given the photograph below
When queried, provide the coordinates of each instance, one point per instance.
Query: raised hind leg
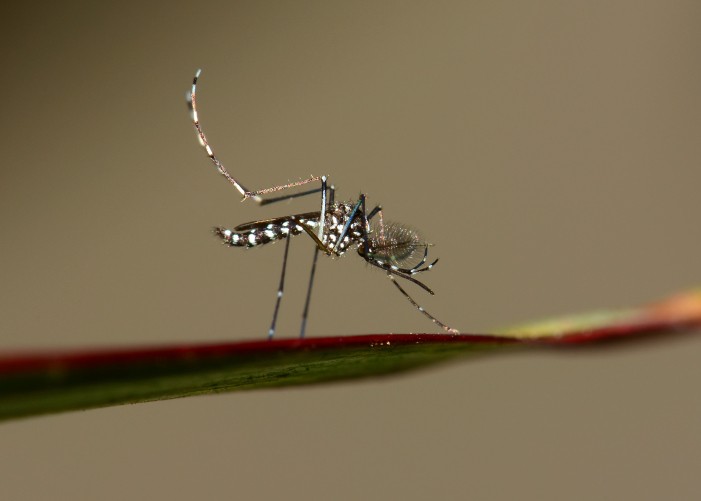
(255, 195)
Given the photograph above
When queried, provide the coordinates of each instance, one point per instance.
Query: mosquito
(335, 228)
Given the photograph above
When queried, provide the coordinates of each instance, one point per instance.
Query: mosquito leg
(420, 308)
(366, 237)
(374, 211)
(255, 195)
(377, 210)
(366, 227)
(361, 201)
(320, 236)
(192, 104)
(280, 289)
(273, 189)
(322, 218)
(305, 313)
(282, 198)
(398, 273)
(417, 268)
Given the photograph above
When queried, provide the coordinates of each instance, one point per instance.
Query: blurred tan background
(550, 150)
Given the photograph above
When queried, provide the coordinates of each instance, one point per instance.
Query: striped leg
(191, 98)
(305, 313)
(420, 308)
(280, 290)
(325, 203)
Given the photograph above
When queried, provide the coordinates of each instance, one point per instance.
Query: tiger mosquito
(336, 228)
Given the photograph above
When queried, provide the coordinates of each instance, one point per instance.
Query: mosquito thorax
(337, 217)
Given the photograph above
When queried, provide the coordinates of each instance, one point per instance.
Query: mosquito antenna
(192, 104)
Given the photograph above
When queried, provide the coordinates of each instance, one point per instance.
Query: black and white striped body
(258, 233)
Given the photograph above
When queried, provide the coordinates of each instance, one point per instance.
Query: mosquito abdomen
(260, 235)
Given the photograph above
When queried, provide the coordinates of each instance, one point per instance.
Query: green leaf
(40, 383)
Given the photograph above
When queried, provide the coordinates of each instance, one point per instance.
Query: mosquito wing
(308, 217)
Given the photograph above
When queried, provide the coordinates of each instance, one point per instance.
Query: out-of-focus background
(549, 149)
